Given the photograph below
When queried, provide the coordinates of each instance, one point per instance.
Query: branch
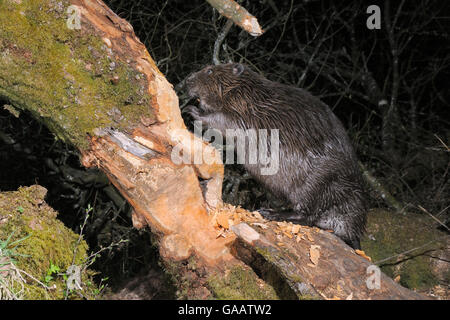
(381, 190)
(219, 41)
(238, 14)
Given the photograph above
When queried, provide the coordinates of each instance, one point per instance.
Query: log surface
(313, 262)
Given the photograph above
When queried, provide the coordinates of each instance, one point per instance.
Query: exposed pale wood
(238, 14)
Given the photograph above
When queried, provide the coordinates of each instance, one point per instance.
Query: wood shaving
(314, 254)
(363, 254)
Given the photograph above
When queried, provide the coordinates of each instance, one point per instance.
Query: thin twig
(434, 218)
(219, 41)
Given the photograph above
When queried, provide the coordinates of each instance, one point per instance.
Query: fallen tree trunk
(93, 83)
(314, 262)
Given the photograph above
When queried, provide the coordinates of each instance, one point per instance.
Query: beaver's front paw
(193, 111)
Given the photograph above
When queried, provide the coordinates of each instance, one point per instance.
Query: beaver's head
(215, 80)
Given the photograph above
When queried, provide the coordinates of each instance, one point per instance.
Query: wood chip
(240, 210)
(257, 215)
(221, 234)
(222, 220)
(288, 235)
(308, 235)
(261, 225)
(314, 254)
(363, 254)
(295, 228)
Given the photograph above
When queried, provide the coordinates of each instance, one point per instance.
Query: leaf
(47, 279)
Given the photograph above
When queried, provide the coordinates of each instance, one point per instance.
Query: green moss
(241, 284)
(65, 76)
(389, 234)
(46, 242)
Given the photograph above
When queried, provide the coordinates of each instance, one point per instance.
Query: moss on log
(50, 69)
(39, 250)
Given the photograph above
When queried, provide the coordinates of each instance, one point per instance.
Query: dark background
(323, 46)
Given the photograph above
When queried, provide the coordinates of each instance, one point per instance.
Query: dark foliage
(388, 86)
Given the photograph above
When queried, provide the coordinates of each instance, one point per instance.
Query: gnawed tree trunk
(98, 89)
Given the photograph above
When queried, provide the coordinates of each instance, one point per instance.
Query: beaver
(318, 169)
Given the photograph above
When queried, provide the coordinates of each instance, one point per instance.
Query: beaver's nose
(189, 80)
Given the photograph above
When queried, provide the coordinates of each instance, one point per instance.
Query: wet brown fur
(318, 170)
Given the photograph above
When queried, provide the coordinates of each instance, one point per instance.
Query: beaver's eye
(209, 71)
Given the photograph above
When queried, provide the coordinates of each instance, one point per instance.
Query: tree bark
(313, 263)
(97, 88)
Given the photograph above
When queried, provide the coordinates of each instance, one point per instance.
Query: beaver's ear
(238, 69)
